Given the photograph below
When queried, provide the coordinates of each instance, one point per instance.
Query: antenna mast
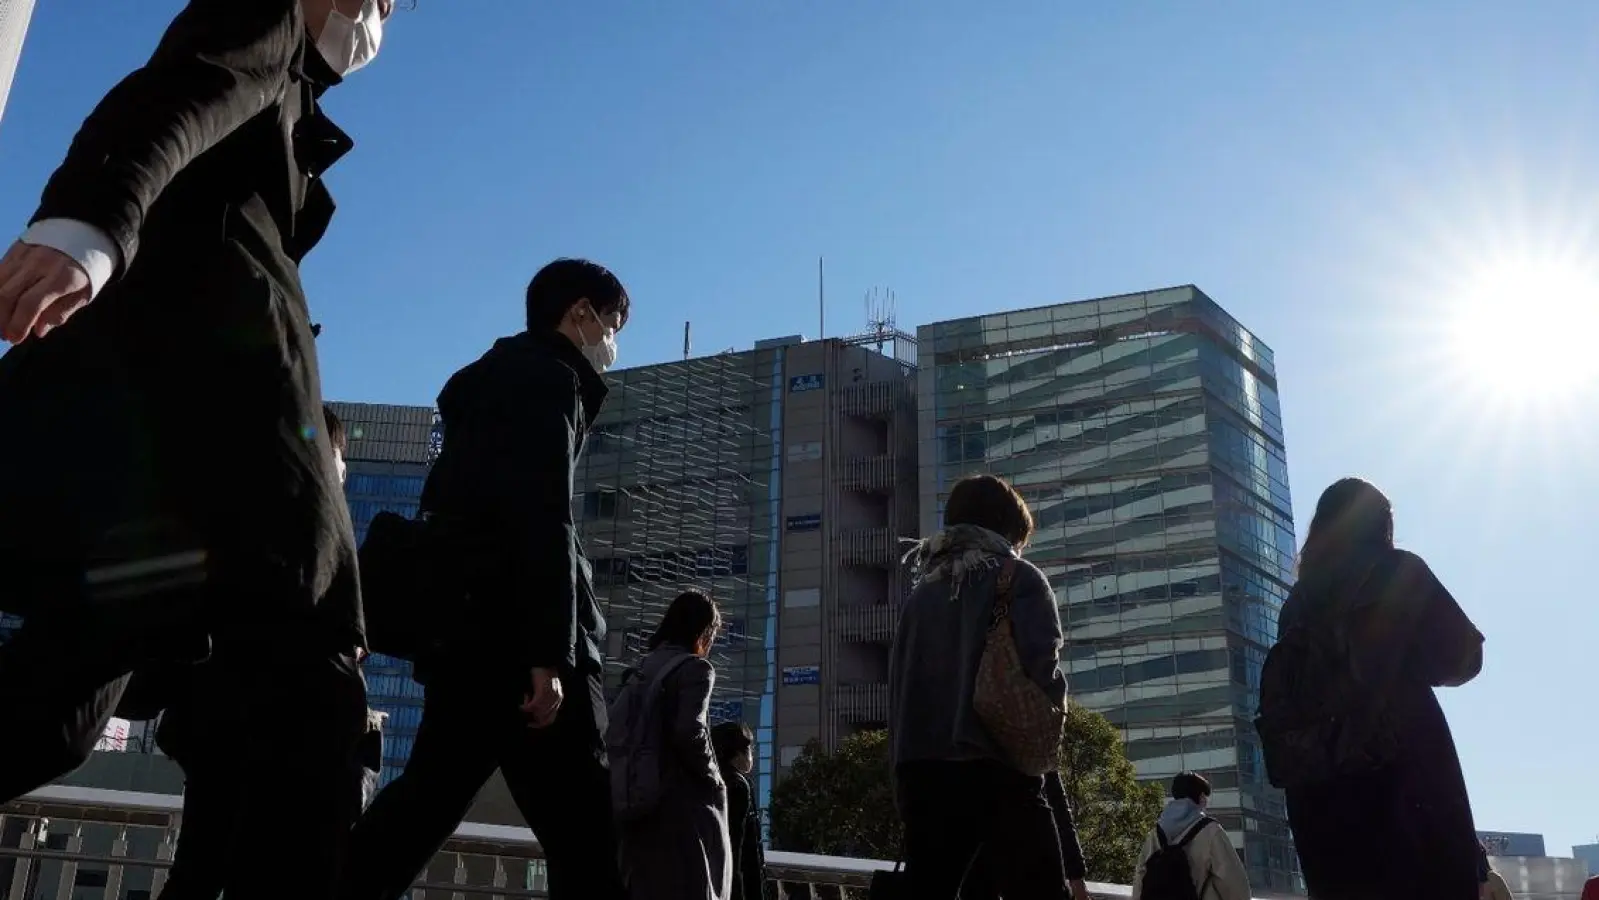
(686, 344)
(821, 300)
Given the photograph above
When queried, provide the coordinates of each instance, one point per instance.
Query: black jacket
(187, 395)
(744, 828)
(515, 423)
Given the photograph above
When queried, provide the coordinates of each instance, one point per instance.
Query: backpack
(634, 746)
(1318, 720)
(1167, 875)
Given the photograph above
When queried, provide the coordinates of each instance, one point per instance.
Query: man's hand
(40, 288)
(1079, 889)
(545, 700)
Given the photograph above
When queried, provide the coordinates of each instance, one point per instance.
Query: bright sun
(1527, 331)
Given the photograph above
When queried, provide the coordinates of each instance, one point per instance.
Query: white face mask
(601, 355)
(348, 44)
(338, 464)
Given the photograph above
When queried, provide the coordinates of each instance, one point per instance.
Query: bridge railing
(89, 843)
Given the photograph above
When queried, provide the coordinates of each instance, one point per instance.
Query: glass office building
(1145, 432)
(390, 449)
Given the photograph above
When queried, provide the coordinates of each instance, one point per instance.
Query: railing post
(113, 877)
(460, 877)
(69, 868)
(500, 876)
(19, 875)
(165, 852)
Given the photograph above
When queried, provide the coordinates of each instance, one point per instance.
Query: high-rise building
(771, 478)
(14, 17)
(390, 449)
(1145, 433)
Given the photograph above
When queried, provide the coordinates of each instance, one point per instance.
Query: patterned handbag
(1017, 713)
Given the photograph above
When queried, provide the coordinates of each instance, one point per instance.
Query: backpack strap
(658, 683)
(1193, 831)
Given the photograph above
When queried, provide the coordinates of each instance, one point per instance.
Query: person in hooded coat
(174, 497)
(1408, 822)
(682, 850)
(1213, 864)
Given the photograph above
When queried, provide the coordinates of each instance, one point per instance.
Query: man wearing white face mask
(515, 682)
(160, 276)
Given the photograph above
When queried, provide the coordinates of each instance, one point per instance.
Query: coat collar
(591, 384)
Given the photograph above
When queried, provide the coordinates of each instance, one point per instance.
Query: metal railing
(66, 842)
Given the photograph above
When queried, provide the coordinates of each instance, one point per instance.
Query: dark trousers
(954, 811)
(58, 689)
(250, 771)
(471, 725)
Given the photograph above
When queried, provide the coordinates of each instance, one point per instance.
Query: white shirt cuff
(88, 246)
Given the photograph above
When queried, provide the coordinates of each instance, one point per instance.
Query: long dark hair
(691, 618)
(1352, 515)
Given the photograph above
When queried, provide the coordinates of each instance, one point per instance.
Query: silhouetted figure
(735, 754)
(514, 683)
(175, 498)
(1407, 818)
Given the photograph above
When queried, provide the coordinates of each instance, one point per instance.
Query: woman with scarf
(956, 791)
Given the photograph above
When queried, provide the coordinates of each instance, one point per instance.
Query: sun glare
(1526, 331)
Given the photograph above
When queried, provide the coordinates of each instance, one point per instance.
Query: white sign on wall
(802, 598)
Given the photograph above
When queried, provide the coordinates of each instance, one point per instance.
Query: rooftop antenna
(880, 321)
(686, 344)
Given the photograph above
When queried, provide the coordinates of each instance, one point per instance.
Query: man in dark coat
(516, 683)
(175, 498)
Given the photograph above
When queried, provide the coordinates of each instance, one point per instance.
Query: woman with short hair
(957, 790)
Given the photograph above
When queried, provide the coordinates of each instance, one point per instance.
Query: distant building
(1512, 843)
(1541, 877)
(390, 448)
(14, 17)
(1588, 853)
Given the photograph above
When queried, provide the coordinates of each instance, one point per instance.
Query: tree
(842, 803)
(839, 803)
(1114, 811)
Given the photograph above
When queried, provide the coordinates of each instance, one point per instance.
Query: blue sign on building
(802, 674)
(812, 522)
(726, 710)
(801, 383)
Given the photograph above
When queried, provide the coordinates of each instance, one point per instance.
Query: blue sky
(1344, 181)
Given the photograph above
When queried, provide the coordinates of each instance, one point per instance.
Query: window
(600, 504)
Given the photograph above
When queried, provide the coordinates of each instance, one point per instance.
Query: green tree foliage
(1114, 811)
(842, 803)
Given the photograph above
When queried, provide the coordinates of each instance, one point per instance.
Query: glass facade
(678, 489)
(390, 447)
(1146, 435)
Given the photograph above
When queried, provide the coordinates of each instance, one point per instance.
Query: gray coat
(682, 852)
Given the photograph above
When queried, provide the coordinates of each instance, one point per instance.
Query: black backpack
(1167, 875)
(1318, 720)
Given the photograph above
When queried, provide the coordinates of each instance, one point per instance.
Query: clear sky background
(1400, 199)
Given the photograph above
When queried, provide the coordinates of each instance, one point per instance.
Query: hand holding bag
(1018, 714)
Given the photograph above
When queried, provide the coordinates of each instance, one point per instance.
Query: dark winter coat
(744, 831)
(185, 401)
(682, 852)
(515, 422)
(1405, 831)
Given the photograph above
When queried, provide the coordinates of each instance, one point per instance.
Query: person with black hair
(679, 850)
(1393, 794)
(515, 682)
(1187, 853)
(735, 755)
(160, 275)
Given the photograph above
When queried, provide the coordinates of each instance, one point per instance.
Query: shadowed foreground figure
(1404, 830)
(155, 290)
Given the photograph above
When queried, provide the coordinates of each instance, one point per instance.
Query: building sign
(802, 674)
(812, 522)
(801, 383)
(726, 710)
(805, 452)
